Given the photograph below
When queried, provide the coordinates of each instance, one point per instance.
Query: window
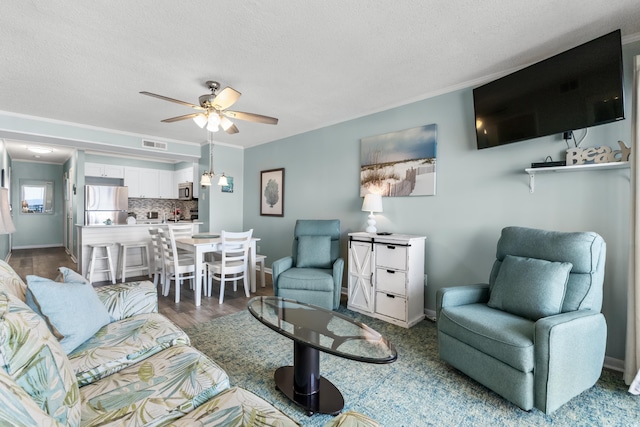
(37, 197)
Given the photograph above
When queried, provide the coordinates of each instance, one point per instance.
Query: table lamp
(372, 203)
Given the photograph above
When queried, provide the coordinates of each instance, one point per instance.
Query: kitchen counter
(141, 223)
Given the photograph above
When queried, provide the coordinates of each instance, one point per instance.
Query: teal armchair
(534, 334)
(313, 273)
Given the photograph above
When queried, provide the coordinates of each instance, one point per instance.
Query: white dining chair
(158, 260)
(176, 268)
(233, 264)
(179, 231)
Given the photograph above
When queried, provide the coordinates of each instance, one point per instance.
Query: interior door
(361, 262)
(68, 244)
(68, 213)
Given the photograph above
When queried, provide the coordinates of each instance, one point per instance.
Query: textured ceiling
(311, 64)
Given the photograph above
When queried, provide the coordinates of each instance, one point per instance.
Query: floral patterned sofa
(137, 370)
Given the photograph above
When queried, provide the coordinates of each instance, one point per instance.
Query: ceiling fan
(213, 109)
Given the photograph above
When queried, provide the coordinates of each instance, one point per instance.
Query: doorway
(68, 214)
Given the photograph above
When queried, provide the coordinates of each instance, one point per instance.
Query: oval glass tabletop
(325, 330)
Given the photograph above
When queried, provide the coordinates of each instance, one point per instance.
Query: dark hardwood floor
(45, 262)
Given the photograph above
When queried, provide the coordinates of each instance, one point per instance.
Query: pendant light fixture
(208, 176)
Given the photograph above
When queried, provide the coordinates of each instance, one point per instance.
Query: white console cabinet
(386, 277)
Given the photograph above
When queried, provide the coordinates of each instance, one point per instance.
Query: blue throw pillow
(530, 287)
(314, 252)
(74, 309)
(70, 276)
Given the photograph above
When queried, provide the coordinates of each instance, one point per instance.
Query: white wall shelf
(577, 168)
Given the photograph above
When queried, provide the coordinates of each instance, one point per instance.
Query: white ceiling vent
(154, 145)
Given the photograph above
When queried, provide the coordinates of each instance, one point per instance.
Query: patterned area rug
(416, 390)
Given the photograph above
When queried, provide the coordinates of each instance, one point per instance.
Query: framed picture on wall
(401, 163)
(229, 187)
(272, 192)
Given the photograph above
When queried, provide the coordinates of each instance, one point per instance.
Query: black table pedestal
(303, 384)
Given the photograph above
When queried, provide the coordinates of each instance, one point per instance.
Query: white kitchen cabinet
(167, 188)
(132, 180)
(188, 175)
(142, 183)
(151, 183)
(386, 277)
(184, 175)
(103, 171)
(149, 187)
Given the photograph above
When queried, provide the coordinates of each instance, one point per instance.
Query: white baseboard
(53, 245)
(614, 364)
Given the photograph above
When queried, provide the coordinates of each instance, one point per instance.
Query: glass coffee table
(314, 329)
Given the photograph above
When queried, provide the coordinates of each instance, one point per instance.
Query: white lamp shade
(213, 122)
(223, 181)
(201, 120)
(6, 224)
(225, 123)
(372, 203)
(205, 179)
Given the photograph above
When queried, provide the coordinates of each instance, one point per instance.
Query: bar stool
(260, 260)
(91, 269)
(123, 269)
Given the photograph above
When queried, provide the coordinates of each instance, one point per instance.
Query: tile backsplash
(140, 207)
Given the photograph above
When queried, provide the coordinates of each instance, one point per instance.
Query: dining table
(201, 244)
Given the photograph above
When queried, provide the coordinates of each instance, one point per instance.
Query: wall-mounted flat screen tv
(575, 89)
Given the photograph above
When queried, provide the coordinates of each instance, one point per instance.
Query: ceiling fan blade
(251, 117)
(228, 125)
(177, 119)
(226, 98)
(177, 101)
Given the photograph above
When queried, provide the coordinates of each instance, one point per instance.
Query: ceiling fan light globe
(214, 119)
(201, 120)
(213, 122)
(225, 123)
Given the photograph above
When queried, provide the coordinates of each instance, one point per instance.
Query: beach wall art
(401, 163)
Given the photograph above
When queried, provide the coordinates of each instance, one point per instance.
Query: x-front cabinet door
(361, 280)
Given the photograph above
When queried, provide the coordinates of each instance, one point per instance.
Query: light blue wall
(124, 161)
(34, 230)
(478, 193)
(6, 165)
(218, 210)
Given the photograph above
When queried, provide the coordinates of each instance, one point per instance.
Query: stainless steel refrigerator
(104, 204)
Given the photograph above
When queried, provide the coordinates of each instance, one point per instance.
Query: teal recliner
(534, 334)
(313, 274)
